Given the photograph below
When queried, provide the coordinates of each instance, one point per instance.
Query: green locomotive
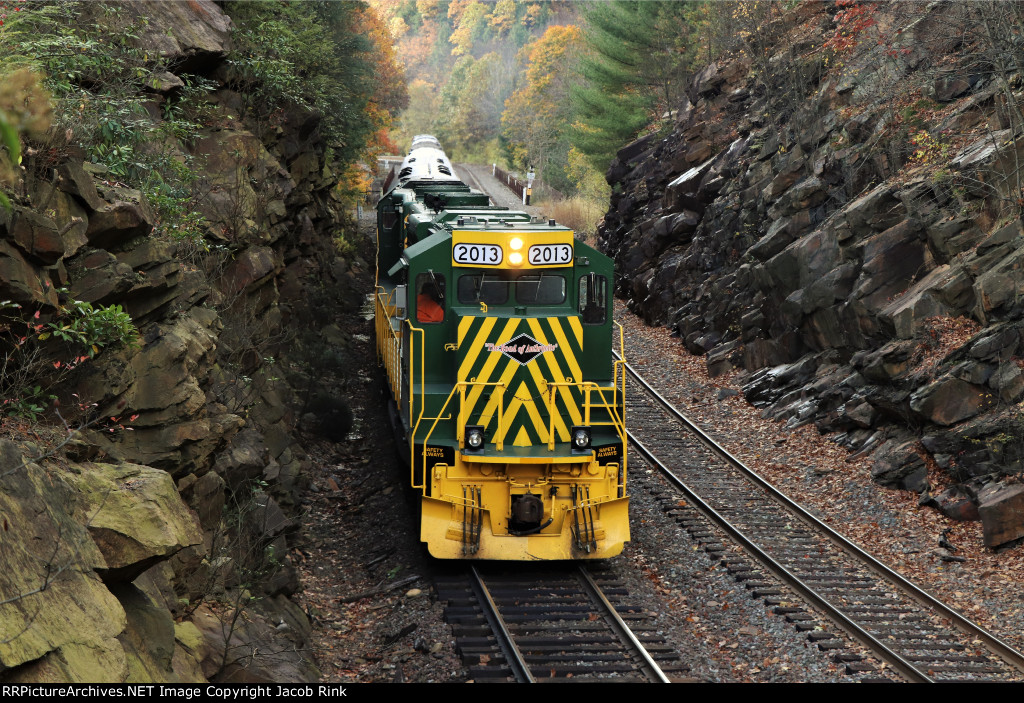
(495, 331)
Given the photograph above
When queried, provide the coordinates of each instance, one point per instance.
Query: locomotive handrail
(412, 370)
(620, 376)
(460, 430)
(426, 440)
(587, 387)
(620, 371)
(389, 346)
(412, 445)
(619, 422)
(388, 342)
(413, 331)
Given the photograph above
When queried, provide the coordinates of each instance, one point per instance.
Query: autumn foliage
(853, 18)
(536, 114)
(494, 81)
(389, 96)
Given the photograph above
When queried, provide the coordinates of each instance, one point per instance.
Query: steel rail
(520, 670)
(621, 628)
(463, 170)
(990, 641)
(894, 660)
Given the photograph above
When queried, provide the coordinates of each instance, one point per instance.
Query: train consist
(495, 332)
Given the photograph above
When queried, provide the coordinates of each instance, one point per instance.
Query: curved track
(913, 633)
(479, 177)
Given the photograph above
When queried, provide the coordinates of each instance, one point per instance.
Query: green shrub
(92, 327)
(309, 56)
(96, 76)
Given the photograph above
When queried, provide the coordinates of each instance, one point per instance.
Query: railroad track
(469, 178)
(542, 624)
(470, 174)
(917, 636)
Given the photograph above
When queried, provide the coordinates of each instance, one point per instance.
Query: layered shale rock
(862, 287)
(75, 537)
(121, 560)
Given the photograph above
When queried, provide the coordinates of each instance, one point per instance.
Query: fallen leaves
(837, 487)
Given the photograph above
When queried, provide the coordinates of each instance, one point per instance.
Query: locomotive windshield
(542, 289)
(482, 288)
(499, 288)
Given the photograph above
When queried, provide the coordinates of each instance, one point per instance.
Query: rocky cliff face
(846, 230)
(154, 546)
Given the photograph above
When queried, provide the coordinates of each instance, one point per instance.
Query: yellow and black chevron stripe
(487, 355)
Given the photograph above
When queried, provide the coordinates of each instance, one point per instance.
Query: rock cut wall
(847, 232)
(124, 545)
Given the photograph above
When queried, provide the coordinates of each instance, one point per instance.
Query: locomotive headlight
(474, 438)
(580, 438)
(515, 258)
(516, 244)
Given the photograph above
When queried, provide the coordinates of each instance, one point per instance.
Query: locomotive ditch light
(474, 438)
(580, 439)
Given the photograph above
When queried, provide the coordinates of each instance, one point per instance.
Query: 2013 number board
(477, 254)
(550, 254)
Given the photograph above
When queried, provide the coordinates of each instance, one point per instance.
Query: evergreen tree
(632, 73)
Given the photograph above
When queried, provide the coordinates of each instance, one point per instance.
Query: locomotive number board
(470, 254)
(557, 254)
(512, 249)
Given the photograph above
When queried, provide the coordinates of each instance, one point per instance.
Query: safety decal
(522, 349)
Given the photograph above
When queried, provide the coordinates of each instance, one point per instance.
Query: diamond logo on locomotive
(523, 349)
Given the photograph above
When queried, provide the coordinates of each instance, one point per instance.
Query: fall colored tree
(470, 21)
(503, 18)
(535, 116)
(389, 96)
(471, 103)
(470, 52)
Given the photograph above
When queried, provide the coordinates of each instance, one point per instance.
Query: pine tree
(632, 74)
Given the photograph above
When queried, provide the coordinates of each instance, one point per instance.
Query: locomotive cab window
(475, 288)
(593, 299)
(543, 289)
(498, 289)
(429, 298)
